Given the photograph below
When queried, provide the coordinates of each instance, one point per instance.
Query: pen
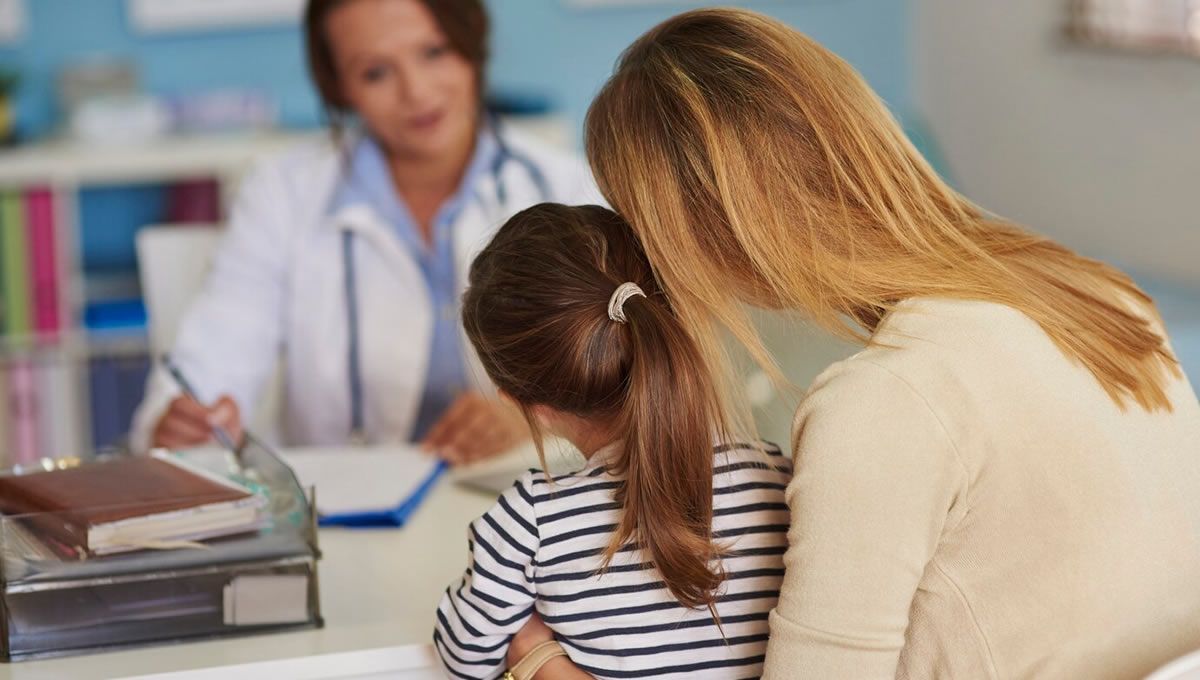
(218, 432)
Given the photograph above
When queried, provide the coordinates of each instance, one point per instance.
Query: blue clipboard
(389, 517)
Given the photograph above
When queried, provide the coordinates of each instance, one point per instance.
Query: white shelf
(225, 156)
(180, 157)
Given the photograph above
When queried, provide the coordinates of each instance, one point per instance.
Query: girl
(664, 554)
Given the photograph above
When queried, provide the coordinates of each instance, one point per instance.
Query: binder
(106, 411)
(43, 249)
(387, 517)
(6, 453)
(13, 269)
(366, 487)
(23, 412)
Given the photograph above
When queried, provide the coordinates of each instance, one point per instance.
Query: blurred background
(1080, 118)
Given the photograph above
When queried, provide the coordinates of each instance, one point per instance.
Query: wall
(1099, 149)
(540, 45)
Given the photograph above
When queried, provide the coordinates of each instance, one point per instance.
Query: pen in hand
(219, 433)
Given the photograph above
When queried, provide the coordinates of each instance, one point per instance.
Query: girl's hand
(534, 633)
(476, 427)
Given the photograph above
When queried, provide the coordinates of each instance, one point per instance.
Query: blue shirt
(369, 181)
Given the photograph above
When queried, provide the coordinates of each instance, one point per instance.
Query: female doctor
(347, 259)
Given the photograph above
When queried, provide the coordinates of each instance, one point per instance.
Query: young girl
(663, 555)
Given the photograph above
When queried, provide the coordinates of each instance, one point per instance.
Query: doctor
(347, 259)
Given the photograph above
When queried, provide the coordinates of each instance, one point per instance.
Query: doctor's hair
(758, 167)
(536, 310)
(464, 22)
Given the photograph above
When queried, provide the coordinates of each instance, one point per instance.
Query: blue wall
(540, 45)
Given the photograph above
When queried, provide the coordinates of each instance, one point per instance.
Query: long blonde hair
(758, 167)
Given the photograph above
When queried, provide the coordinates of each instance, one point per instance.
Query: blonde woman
(1005, 482)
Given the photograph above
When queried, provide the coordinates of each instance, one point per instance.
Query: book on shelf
(43, 258)
(14, 272)
(5, 419)
(132, 503)
(22, 411)
(117, 385)
(58, 409)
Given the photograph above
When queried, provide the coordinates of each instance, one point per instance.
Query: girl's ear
(550, 420)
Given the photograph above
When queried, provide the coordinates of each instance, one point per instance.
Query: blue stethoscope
(504, 154)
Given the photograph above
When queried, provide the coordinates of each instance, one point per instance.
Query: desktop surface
(379, 588)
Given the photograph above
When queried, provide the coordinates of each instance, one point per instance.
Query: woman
(1004, 482)
(349, 258)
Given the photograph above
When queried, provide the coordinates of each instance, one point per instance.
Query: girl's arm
(877, 479)
(481, 612)
(532, 634)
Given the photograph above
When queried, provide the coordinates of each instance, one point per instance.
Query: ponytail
(666, 464)
(555, 327)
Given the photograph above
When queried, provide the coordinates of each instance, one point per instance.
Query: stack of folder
(130, 551)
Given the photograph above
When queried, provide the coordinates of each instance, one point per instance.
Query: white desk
(379, 588)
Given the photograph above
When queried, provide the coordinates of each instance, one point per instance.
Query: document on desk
(373, 486)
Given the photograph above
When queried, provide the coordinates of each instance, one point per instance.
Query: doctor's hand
(188, 423)
(476, 427)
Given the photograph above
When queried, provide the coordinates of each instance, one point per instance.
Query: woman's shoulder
(306, 163)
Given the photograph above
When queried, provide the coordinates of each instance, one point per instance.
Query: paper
(350, 480)
(262, 599)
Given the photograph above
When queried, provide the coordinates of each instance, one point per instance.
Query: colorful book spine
(23, 412)
(14, 270)
(6, 457)
(43, 256)
(59, 435)
(105, 394)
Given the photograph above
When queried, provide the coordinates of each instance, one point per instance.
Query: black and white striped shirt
(541, 547)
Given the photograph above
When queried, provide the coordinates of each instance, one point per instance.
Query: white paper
(360, 479)
(260, 599)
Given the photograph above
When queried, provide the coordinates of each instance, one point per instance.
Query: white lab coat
(277, 290)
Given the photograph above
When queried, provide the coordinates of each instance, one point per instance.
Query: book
(117, 385)
(13, 268)
(59, 433)
(132, 503)
(106, 418)
(43, 258)
(5, 419)
(22, 412)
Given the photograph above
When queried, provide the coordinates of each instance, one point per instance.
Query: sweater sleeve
(876, 476)
(481, 611)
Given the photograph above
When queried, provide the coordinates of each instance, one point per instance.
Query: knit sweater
(968, 502)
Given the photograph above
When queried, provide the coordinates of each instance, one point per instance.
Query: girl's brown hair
(536, 311)
(756, 166)
(465, 23)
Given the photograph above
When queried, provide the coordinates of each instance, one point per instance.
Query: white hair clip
(616, 303)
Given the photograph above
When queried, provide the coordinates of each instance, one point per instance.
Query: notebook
(125, 504)
(363, 487)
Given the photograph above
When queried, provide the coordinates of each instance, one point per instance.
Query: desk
(379, 588)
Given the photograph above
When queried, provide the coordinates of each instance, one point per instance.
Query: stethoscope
(504, 154)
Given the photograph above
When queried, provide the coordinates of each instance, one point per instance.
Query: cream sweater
(971, 504)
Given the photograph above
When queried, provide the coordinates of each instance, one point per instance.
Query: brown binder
(70, 504)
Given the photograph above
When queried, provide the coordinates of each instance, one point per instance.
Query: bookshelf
(58, 378)
(58, 375)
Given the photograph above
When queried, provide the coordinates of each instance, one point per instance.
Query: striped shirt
(540, 548)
